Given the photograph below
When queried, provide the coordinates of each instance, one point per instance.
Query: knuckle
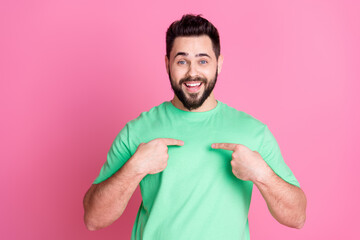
(242, 149)
(158, 144)
(238, 147)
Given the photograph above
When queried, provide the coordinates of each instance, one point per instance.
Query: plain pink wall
(74, 72)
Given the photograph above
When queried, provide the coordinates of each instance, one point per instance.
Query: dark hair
(192, 25)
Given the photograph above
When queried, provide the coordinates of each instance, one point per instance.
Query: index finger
(172, 141)
(226, 146)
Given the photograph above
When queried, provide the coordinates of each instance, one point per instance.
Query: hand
(151, 157)
(246, 164)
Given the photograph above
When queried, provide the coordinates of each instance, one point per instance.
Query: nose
(192, 70)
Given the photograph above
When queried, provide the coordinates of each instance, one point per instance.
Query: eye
(203, 61)
(181, 62)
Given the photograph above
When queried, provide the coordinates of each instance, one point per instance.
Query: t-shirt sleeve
(270, 152)
(117, 156)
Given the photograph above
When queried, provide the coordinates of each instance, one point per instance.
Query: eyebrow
(197, 55)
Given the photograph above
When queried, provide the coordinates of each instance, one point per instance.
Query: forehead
(193, 45)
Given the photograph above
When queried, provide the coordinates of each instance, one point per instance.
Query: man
(196, 159)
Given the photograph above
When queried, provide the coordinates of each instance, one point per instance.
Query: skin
(193, 65)
(106, 201)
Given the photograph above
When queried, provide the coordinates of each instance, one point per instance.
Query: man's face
(192, 69)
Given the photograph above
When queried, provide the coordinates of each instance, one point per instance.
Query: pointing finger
(172, 141)
(226, 146)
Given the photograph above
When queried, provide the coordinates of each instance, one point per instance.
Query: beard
(193, 101)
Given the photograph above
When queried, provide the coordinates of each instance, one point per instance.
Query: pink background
(74, 72)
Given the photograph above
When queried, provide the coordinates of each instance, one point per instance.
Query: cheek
(213, 70)
(177, 74)
(209, 71)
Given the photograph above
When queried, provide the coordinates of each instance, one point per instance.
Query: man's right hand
(105, 202)
(151, 157)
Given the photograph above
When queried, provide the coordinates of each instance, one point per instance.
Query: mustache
(189, 79)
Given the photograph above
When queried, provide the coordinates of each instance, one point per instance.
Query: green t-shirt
(196, 196)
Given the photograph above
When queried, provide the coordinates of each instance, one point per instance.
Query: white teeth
(192, 84)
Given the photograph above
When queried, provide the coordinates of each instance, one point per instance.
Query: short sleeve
(117, 156)
(270, 152)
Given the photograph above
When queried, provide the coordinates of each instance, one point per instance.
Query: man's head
(192, 58)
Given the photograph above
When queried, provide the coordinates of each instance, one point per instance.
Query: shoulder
(241, 117)
(148, 117)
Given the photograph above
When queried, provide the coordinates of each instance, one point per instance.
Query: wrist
(135, 166)
(263, 176)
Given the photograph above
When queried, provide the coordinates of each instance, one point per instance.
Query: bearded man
(196, 158)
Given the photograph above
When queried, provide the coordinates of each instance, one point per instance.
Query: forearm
(105, 202)
(286, 202)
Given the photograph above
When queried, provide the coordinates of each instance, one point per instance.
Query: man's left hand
(246, 164)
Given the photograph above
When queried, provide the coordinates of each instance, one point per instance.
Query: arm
(105, 202)
(286, 202)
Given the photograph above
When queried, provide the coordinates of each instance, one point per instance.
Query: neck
(209, 104)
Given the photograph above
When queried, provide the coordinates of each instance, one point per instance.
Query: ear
(220, 63)
(167, 64)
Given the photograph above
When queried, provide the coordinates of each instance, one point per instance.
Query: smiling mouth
(193, 86)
